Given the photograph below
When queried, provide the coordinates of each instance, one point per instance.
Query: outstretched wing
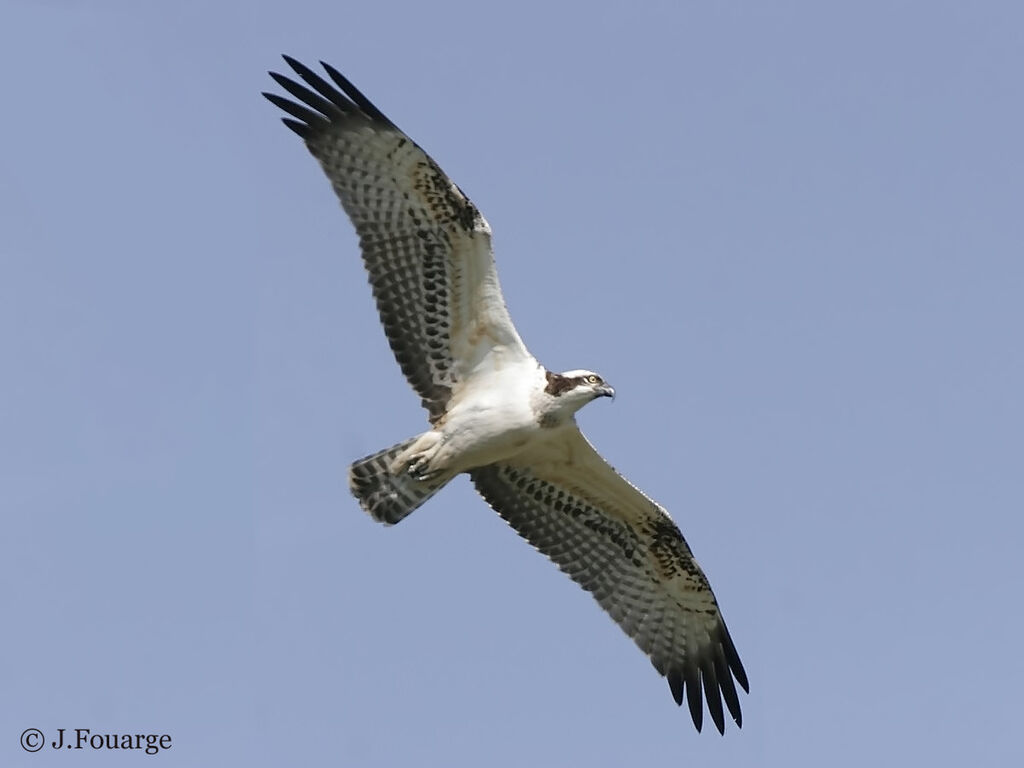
(425, 245)
(622, 547)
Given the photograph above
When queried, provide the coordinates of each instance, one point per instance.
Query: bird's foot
(418, 469)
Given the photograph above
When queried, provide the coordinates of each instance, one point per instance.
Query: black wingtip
(732, 699)
(301, 69)
(332, 100)
(278, 77)
(713, 695)
(693, 698)
(730, 658)
(321, 86)
(355, 94)
(739, 673)
(300, 128)
(295, 110)
(675, 683)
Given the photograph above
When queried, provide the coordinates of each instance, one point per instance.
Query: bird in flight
(494, 411)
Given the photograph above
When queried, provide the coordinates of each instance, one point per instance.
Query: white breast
(492, 417)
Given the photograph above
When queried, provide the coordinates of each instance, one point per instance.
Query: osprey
(494, 411)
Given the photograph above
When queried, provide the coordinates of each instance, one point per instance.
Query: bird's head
(571, 390)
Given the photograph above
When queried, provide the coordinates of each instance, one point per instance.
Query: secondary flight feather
(494, 411)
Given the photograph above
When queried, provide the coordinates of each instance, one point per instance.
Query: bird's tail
(390, 497)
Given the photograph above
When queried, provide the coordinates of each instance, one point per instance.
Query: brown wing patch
(443, 197)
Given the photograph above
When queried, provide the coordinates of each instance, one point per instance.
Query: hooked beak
(606, 391)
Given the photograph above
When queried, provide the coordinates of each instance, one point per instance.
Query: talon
(417, 470)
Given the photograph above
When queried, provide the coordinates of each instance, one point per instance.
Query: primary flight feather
(495, 412)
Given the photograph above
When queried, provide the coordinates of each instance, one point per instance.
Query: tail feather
(389, 498)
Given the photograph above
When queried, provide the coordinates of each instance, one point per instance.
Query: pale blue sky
(790, 234)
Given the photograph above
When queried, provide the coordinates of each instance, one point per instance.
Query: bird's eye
(593, 379)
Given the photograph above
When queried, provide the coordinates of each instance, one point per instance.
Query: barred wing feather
(625, 550)
(426, 247)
